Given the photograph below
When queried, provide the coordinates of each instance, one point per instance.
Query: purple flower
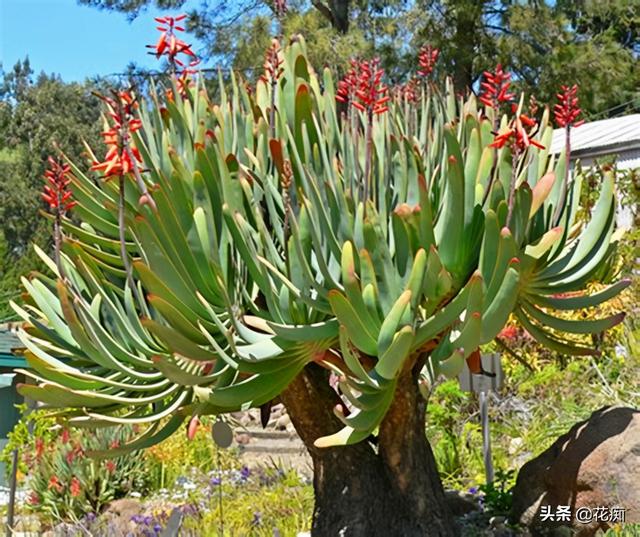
(215, 481)
(157, 528)
(138, 519)
(473, 490)
(245, 472)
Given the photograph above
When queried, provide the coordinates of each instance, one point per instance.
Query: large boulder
(590, 472)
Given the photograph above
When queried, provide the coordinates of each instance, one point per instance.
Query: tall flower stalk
(494, 88)
(363, 90)
(122, 160)
(180, 56)
(427, 59)
(494, 92)
(346, 94)
(518, 136)
(170, 46)
(57, 195)
(272, 72)
(280, 8)
(566, 112)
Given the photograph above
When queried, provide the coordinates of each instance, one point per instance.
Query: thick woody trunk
(365, 490)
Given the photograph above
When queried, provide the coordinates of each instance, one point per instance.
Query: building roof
(8, 342)
(603, 137)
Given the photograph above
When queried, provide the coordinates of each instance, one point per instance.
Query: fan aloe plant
(256, 245)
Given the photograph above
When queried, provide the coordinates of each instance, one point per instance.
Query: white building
(617, 137)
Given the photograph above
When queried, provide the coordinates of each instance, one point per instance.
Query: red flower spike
(39, 447)
(509, 333)
(54, 483)
(427, 58)
(567, 111)
(273, 64)
(494, 88)
(407, 92)
(56, 192)
(347, 86)
(280, 7)
(362, 87)
(516, 135)
(74, 487)
(117, 161)
(171, 47)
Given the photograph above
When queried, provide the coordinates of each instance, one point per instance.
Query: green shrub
(64, 482)
(170, 459)
(627, 530)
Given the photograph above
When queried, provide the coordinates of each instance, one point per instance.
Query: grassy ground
(531, 411)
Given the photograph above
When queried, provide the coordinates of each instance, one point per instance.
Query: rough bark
(365, 490)
(466, 21)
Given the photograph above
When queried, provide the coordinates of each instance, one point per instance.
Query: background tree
(39, 115)
(544, 43)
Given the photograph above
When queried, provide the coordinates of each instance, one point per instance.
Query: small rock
(459, 504)
(120, 513)
(126, 507)
(242, 439)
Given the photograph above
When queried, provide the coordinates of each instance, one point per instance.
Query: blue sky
(76, 42)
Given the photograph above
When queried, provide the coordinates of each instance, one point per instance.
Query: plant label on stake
(222, 434)
(482, 384)
(477, 383)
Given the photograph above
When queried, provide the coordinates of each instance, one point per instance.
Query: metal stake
(219, 464)
(12, 493)
(486, 437)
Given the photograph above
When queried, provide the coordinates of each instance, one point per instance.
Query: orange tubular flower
(272, 64)
(516, 135)
(567, 110)
(347, 86)
(56, 193)
(407, 92)
(168, 44)
(171, 47)
(427, 58)
(362, 87)
(118, 160)
(54, 483)
(74, 487)
(494, 88)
